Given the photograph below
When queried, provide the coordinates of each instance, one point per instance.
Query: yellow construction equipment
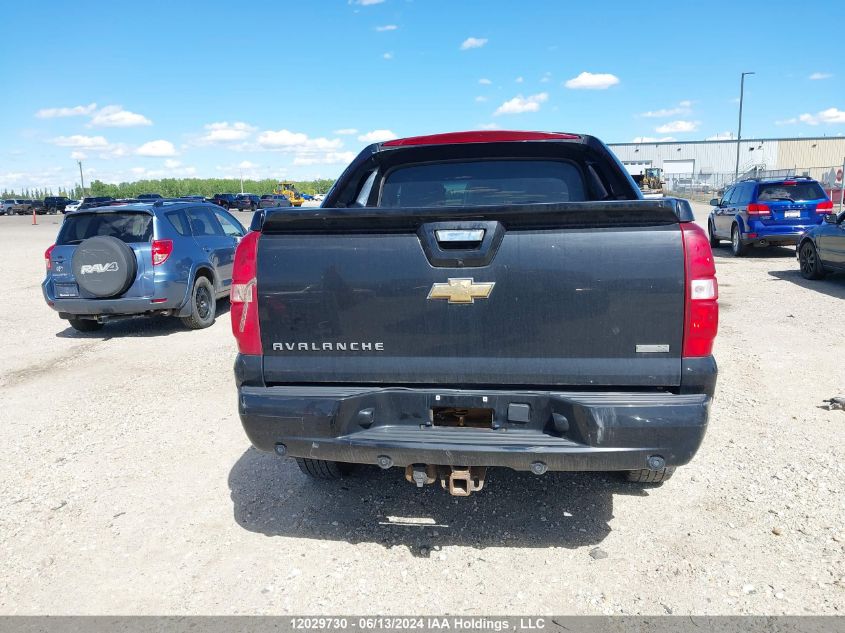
(288, 190)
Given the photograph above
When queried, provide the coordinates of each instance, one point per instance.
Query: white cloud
(681, 109)
(473, 42)
(721, 136)
(77, 155)
(677, 126)
(329, 158)
(365, 3)
(172, 164)
(347, 131)
(388, 56)
(487, 126)
(592, 81)
(116, 116)
(830, 116)
(818, 76)
(81, 141)
(377, 136)
(53, 113)
(246, 164)
(652, 139)
(292, 141)
(484, 82)
(519, 80)
(157, 148)
(223, 131)
(520, 104)
(386, 27)
(481, 98)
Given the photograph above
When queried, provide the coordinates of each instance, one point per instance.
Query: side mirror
(715, 202)
(830, 218)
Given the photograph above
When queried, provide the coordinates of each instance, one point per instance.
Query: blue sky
(295, 89)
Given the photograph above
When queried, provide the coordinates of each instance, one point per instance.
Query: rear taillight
(701, 307)
(755, 208)
(825, 207)
(244, 296)
(161, 251)
(47, 255)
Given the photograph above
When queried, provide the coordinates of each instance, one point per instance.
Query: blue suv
(767, 211)
(168, 257)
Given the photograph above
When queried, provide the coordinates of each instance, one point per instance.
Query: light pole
(739, 130)
(81, 177)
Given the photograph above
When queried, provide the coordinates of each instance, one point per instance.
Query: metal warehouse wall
(713, 157)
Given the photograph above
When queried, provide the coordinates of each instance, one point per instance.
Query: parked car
(168, 258)
(821, 249)
(766, 212)
(56, 204)
(478, 299)
(9, 204)
(246, 202)
(306, 196)
(149, 196)
(72, 205)
(22, 206)
(92, 202)
(272, 200)
(38, 207)
(193, 198)
(225, 200)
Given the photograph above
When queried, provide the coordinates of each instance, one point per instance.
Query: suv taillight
(161, 251)
(244, 296)
(825, 207)
(701, 307)
(47, 255)
(755, 208)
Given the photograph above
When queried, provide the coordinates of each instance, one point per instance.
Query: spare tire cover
(104, 266)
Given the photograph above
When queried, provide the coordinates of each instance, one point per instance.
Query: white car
(73, 206)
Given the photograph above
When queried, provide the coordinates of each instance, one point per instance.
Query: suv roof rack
(776, 178)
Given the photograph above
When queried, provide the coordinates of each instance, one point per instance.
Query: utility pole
(81, 177)
(739, 130)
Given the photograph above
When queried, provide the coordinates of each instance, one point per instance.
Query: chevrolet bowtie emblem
(461, 290)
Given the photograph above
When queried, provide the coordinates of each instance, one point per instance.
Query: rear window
(791, 190)
(127, 226)
(486, 182)
(177, 219)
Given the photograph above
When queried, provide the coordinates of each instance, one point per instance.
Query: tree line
(172, 188)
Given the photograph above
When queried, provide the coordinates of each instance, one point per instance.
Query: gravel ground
(127, 485)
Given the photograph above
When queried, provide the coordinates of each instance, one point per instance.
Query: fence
(702, 184)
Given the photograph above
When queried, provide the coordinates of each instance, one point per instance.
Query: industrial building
(710, 165)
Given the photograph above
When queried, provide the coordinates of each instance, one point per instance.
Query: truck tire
(203, 305)
(646, 476)
(809, 261)
(711, 233)
(737, 247)
(322, 469)
(85, 325)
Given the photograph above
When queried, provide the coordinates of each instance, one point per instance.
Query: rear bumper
(174, 299)
(773, 234)
(567, 431)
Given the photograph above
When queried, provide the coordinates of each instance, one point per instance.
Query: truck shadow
(832, 285)
(272, 497)
(142, 326)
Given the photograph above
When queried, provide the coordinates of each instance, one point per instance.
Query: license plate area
(470, 417)
(67, 290)
(791, 214)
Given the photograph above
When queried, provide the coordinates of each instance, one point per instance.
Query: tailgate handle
(462, 236)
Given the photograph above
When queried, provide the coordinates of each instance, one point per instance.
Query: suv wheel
(322, 469)
(711, 232)
(85, 325)
(808, 259)
(203, 305)
(646, 476)
(737, 247)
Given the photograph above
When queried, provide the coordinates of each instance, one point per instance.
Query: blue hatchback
(170, 257)
(767, 211)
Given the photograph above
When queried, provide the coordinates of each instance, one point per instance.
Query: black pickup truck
(478, 299)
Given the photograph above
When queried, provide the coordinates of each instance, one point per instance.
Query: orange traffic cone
(34, 219)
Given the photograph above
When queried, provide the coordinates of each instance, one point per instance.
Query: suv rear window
(791, 191)
(127, 226)
(483, 182)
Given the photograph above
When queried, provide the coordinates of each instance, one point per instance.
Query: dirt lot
(128, 487)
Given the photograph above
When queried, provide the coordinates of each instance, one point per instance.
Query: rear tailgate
(572, 294)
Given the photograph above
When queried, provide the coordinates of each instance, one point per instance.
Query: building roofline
(732, 141)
